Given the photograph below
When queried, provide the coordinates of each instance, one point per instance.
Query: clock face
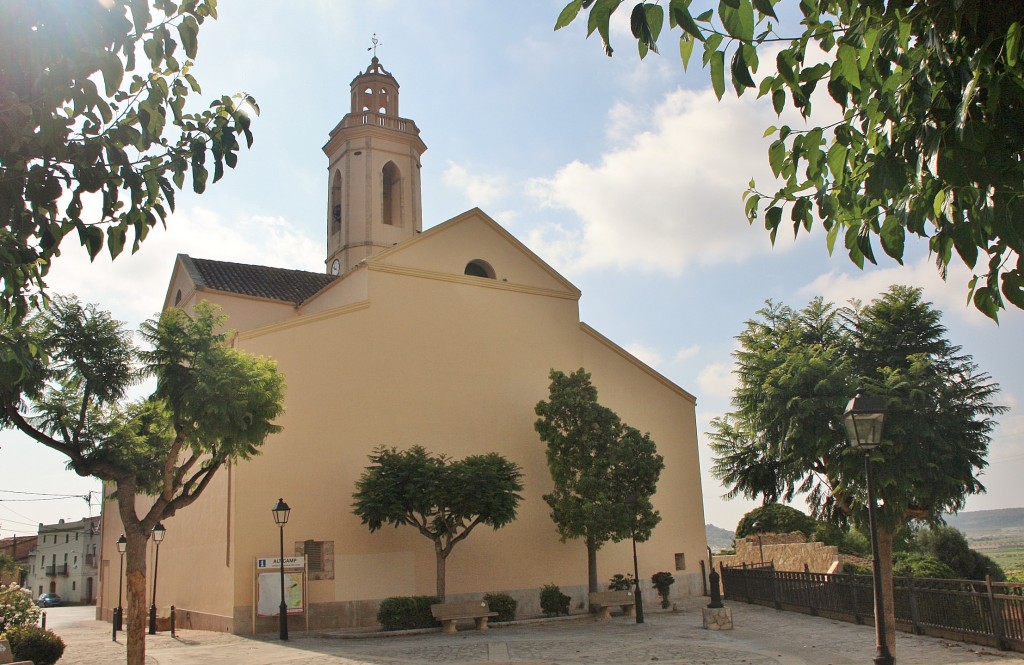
(336, 267)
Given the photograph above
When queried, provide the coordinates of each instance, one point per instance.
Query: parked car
(49, 600)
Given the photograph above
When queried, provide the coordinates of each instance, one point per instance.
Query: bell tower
(373, 156)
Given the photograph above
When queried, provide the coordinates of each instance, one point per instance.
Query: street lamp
(756, 526)
(281, 512)
(631, 502)
(863, 420)
(158, 537)
(122, 545)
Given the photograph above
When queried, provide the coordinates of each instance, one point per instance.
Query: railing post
(853, 595)
(915, 613)
(703, 577)
(775, 590)
(997, 616)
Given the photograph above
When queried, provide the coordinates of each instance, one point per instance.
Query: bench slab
(606, 600)
(450, 613)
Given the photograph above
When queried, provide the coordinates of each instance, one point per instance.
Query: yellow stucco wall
(455, 364)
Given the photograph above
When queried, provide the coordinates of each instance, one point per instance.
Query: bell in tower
(374, 173)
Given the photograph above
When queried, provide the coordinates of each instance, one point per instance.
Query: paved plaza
(762, 636)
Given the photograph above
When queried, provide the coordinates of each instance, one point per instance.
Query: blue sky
(626, 176)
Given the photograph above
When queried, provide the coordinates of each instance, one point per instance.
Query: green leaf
(738, 18)
(718, 73)
(113, 72)
(847, 58)
(686, 42)
(1013, 286)
(568, 14)
(646, 22)
(893, 236)
(1012, 50)
(599, 19)
(766, 8)
(188, 31)
(680, 13)
(779, 100)
(740, 74)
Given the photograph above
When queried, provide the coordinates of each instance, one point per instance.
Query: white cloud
(132, 287)
(717, 381)
(647, 354)
(669, 199)
(686, 353)
(481, 189)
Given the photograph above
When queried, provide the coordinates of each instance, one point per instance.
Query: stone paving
(762, 636)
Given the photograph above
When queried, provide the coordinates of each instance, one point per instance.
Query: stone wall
(788, 551)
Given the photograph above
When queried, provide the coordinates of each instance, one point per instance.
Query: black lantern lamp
(159, 532)
(122, 546)
(863, 420)
(281, 513)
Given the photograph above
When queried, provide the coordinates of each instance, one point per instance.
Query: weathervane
(375, 45)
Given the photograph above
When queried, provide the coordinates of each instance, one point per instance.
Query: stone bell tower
(373, 155)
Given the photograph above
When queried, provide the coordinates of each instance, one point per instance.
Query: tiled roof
(293, 286)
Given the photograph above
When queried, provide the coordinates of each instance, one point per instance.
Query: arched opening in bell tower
(336, 203)
(392, 194)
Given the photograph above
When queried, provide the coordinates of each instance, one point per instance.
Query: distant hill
(978, 523)
(718, 539)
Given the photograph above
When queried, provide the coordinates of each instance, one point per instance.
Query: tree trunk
(137, 536)
(135, 571)
(441, 556)
(885, 537)
(592, 564)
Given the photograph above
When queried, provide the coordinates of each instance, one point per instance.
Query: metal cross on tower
(376, 43)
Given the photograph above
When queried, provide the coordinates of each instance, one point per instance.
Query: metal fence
(982, 612)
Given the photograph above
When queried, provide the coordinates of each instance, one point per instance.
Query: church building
(442, 338)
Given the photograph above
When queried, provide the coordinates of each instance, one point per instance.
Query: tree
(797, 370)
(949, 546)
(212, 405)
(76, 158)
(444, 499)
(604, 472)
(775, 518)
(9, 568)
(931, 136)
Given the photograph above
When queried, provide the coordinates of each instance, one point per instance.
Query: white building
(65, 560)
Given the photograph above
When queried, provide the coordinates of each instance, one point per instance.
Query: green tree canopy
(796, 371)
(92, 143)
(604, 472)
(775, 518)
(930, 136)
(443, 499)
(212, 405)
(949, 546)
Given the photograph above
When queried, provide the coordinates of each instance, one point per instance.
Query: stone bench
(450, 613)
(606, 600)
(7, 657)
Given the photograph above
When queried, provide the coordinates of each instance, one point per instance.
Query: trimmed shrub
(16, 608)
(502, 603)
(851, 568)
(33, 643)
(552, 601)
(663, 583)
(620, 582)
(406, 613)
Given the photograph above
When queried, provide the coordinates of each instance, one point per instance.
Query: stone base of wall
(717, 618)
(353, 614)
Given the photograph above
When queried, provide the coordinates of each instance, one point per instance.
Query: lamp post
(122, 545)
(863, 420)
(631, 502)
(756, 526)
(158, 537)
(281, 512)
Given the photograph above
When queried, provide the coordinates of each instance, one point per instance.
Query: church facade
(441, 338)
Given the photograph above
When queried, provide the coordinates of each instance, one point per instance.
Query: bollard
(44, 620)
(716, 593)
(172, 621)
